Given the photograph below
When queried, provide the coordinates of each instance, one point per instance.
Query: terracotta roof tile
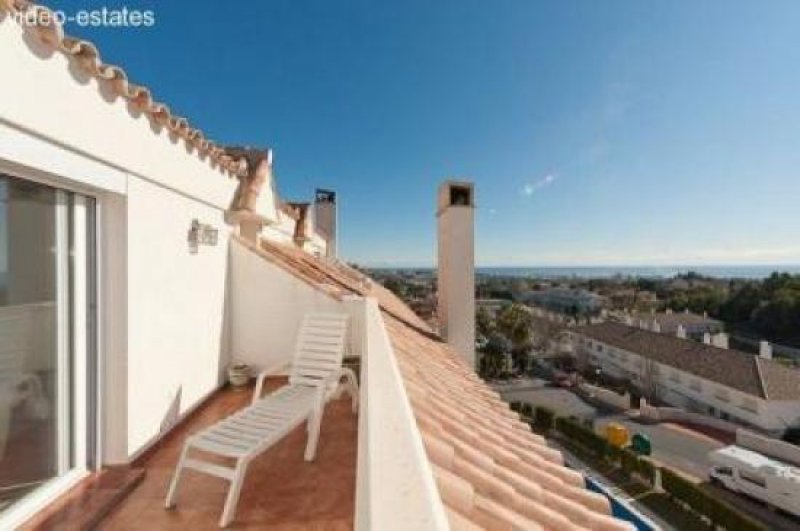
(491, 470)
(744, 372)
(87, 57)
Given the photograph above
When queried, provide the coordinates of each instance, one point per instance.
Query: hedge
(544, 418)
(646, 469)
(527, 410)
(702, 502)
(583, 436)
(614, 454)
(629, 462)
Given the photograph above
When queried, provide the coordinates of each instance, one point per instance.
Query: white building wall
(268, 305)
(282, 231)
(767, 415)
(782, 413)
(164, 311)
(177, 313)
(51, 97)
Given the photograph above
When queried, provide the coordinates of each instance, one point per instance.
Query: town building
(143, 259)
(753, 390)
(695, 326)
(566, 300)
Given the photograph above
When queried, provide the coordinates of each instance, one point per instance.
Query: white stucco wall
(393, 470)
(456, 279)
(177, 314)
(767, 415)
(268, 304)
(51, 97)
(163, 313)
(282, 231)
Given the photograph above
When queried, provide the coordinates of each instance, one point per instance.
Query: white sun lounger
(314, 377)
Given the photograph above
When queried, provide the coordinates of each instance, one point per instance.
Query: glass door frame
(78, 215)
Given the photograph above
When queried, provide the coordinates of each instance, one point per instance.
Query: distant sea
(744, 272)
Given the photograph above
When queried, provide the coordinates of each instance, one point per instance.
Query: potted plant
(238, 374)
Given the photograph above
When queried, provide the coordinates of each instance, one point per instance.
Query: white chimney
(642, 324)
(669, 311)
(656, 326)
(765, 350)
(456, 267)
(706, 338)
(705, 314)
(720, 340)
(628, 320)
(325, 219)
(680, 332)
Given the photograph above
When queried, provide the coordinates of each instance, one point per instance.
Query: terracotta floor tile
(281, 491)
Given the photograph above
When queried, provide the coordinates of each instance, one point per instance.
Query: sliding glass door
(46, 309)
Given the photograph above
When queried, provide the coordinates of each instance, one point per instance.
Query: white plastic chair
(315, 377)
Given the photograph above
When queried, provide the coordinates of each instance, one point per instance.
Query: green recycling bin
(641, 444)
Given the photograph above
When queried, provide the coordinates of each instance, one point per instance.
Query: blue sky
(613, 132)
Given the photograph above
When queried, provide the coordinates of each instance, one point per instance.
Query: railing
(395, 489)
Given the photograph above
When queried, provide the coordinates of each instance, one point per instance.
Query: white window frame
(29, 505)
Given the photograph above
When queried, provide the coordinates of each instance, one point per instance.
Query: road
(687, 452)
(673, 446)
(776, 521)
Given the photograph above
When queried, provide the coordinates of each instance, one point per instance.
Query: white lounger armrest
(262, 375)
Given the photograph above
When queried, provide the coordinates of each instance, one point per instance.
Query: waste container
(641, 444)
(617, 434)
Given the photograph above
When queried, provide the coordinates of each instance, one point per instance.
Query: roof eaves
(50, 33)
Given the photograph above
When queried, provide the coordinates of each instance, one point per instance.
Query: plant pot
(239, 374)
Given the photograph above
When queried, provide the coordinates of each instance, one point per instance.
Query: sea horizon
(751, 272)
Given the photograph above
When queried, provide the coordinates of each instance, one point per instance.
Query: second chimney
(325, 219)
(456, 268)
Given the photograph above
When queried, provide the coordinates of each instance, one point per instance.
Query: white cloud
(530, 188)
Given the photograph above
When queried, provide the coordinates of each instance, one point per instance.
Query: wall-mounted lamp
(201, 234)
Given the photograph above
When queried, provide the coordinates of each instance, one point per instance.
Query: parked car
(758, 476)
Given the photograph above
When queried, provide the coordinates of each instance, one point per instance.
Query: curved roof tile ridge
(88, 58)
(491, 470)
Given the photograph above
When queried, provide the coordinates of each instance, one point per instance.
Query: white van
(748, 472)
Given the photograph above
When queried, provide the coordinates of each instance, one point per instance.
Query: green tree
(493, 357)
(515, 322)
(396, 285)
(484, 323)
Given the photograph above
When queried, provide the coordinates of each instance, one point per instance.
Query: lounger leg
(229, 511)
(176, 476)
(352, 386)
(313, 434)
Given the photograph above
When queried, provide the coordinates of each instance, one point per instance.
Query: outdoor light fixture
(201, 234)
